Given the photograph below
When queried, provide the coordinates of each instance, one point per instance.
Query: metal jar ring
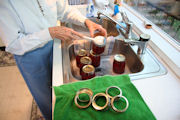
(76, 98)
(85, 90)
(120, 91)
(95, 106)
(118, 97)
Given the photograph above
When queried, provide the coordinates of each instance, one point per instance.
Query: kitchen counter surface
(161, 93)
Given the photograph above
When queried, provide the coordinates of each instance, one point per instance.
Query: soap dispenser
(116, 15)
(90, 9)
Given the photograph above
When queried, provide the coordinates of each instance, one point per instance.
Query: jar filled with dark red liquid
(95, 58)
(119, 63)
(88, 72)
(98, 44)
(84, 61)
(81, 53)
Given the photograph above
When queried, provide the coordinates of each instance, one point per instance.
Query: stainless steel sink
(137, 67)
(133, 63)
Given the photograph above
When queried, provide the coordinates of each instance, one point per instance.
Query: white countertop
(161, 93)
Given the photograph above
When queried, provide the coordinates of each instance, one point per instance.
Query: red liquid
(78, 60)
(81, 53)
(80, 71)
(86, 76)
(87, 72)
(81, 65)
(95, 60)
(98, 49)
(118, 67)
(84, 61)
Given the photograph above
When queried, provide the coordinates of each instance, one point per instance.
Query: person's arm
(70, 14)
(16, 41)
(12, 32)
(66, 13)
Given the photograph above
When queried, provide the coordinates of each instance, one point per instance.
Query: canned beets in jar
(88, 72)
(119, 63)
(98, 44)
(81, 53)
(84, 61)
(95, 59)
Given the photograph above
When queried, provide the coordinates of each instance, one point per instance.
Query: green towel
(65, 108)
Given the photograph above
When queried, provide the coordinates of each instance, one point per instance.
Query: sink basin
(137, 66)
(133, 63)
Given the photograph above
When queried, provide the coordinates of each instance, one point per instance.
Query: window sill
(164, 46)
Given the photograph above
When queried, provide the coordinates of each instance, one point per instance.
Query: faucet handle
(124, 17)
(98, 15)
(131, 40)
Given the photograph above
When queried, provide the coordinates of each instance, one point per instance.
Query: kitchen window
(164, 13)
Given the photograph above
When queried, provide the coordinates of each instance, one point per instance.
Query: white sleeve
(18, 43)
(15, 40)
(69, 14)
(26, 43)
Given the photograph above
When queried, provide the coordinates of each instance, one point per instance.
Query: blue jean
(36, 69)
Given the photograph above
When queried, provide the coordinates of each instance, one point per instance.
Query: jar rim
(119, 57)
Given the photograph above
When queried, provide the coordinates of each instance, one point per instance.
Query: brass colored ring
(120, 94)
(85, 90)
(77, 96)
(95, 106)
(118, 97)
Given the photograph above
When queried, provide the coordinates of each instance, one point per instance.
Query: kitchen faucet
(127, 32)
(141, 44)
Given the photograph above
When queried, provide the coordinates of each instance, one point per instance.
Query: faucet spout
(127, 33)
(141, 43)
(99, 13)
(127, 29)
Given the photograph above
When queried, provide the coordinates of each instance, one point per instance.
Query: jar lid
(86, 60)
(119, 57)
(99, 40)
(82, 52)
(88, 69)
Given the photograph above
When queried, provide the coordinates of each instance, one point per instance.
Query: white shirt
(24, 27)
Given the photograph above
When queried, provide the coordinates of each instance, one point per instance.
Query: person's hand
(64, 33)
(93, 27)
